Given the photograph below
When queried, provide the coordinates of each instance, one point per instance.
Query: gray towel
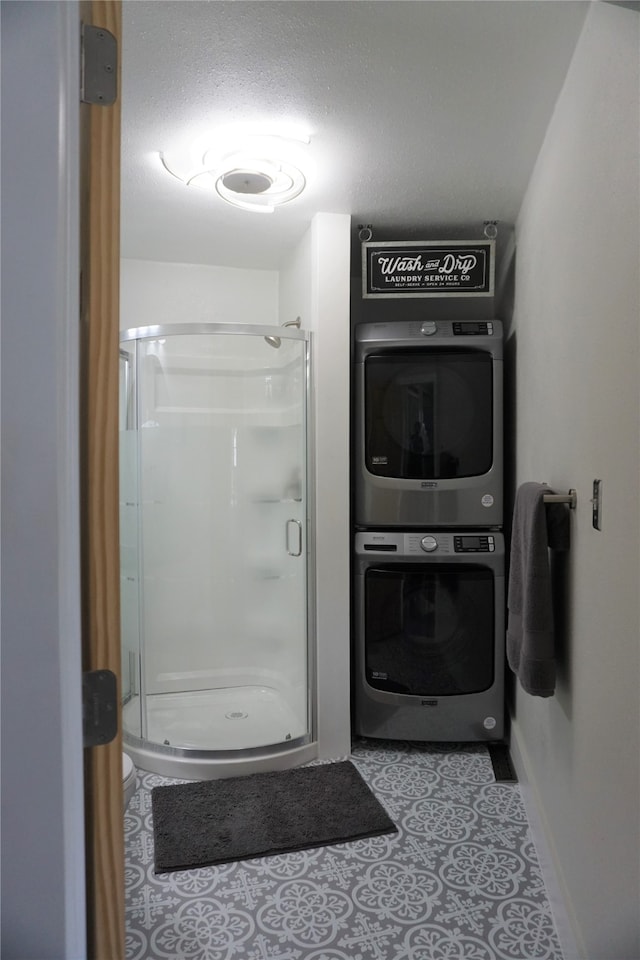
(530, 644)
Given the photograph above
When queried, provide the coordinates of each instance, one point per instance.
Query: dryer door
(428, 414)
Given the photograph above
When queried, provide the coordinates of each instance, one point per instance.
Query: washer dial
(429, 544)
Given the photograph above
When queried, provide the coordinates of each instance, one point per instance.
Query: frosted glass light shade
(261, 173)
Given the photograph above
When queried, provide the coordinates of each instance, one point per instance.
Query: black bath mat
(218, 821)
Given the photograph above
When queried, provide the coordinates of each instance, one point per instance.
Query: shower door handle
(296, 540)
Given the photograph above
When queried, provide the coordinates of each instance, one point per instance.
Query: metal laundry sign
(428, 269)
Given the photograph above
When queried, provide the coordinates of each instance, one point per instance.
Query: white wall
(316, 286)
(575, 325)
(43, 897)
(152, 292)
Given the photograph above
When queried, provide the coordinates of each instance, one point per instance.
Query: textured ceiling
(425, 116)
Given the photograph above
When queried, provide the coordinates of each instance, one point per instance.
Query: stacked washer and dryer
(429, 554)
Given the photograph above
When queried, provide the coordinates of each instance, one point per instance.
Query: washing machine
(429, 635)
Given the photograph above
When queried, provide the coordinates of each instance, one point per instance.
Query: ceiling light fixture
(253, 169)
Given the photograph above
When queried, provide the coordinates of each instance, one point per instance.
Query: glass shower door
(223, 538)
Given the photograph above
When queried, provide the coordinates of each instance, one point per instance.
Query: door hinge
(99, 66)
(99, 707)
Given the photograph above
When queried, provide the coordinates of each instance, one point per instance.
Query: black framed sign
(454, 268)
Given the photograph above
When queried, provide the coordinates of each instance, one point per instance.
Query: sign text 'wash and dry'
(428, 269)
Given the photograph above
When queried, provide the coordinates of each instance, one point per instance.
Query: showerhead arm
(276, 342)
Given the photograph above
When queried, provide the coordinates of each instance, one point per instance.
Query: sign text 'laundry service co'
(428, 269)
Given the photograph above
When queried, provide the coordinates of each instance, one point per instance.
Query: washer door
(429, 629)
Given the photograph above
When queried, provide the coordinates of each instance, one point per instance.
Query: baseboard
(558, 898)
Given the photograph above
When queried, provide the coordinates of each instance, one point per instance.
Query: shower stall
(215, 541)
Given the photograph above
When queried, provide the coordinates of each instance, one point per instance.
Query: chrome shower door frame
(196, 763)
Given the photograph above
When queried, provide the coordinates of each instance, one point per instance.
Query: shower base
(227, 718)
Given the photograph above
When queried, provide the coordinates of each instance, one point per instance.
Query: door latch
(99, 707)
(596, 505)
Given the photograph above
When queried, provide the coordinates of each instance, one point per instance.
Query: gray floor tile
(459, 881)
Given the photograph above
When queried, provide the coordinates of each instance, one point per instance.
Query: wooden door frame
(100, 270)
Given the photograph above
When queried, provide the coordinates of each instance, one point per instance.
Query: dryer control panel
(371, 338)
(468, 329)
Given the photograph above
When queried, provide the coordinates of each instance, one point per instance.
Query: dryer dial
(429, 544)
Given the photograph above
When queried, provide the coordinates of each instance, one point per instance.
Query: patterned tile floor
(459, 881)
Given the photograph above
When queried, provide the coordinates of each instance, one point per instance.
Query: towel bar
(571, 498)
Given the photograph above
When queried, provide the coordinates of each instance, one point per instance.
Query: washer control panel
(478, 543)
(418, 543)
(384, 548)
